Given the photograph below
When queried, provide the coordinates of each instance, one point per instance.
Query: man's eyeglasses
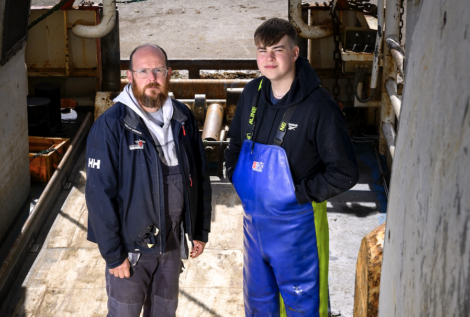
(145, 72)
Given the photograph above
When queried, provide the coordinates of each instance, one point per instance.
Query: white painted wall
(14, 161)
(426, 263)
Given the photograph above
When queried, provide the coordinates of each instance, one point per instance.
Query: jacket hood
(306, 80)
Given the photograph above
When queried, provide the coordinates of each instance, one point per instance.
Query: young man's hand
(122, 271)
(198, 249)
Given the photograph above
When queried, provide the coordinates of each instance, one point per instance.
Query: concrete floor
(193, 29)
(66, 277)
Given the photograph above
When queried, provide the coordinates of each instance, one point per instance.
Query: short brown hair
(273, 30)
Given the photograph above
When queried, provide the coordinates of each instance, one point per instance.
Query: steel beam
(212, 88)
(199, 109)
(36, 219)
(195, 65)
(233, 95)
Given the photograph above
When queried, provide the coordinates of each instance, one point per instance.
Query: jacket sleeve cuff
(202, 236)
(115, 264)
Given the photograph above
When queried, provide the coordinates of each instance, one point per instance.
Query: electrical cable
(360, 71)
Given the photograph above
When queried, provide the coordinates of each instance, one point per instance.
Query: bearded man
(147, 186)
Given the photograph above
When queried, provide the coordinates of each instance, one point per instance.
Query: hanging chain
(360, 5)
(402, 11)
(336, 54)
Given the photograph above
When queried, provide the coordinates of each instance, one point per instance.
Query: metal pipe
(303, 29)
(378, 44)
(214, 143)
(46, 201)
(387, 114)
(397, 51)
(390, 136)
(111, 59)
(213, 123)
(106, 25)
(369, 104)
(190, 102)
(391, 86)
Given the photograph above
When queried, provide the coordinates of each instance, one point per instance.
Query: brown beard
(152, 101)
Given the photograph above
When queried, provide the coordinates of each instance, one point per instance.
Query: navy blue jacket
(124, 189)
(318, 147)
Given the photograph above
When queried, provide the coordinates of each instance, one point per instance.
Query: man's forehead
(148, 56)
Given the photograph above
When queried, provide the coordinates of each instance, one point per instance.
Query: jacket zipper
(184, 179)
(128, 128)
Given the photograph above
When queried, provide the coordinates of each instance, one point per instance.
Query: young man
(289, 151)
(147, 185)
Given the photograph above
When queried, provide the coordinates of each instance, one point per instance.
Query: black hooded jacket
(319, 149)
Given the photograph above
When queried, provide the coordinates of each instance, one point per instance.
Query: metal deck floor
(66, 277)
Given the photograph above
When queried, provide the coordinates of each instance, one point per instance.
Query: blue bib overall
(280, 247)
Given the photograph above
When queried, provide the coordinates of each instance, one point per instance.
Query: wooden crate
(43, 166)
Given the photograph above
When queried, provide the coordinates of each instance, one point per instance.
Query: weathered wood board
(368, 270)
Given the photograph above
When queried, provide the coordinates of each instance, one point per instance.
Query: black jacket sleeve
(235, 135)
(204, 205)
(102, 153)
(328, 132)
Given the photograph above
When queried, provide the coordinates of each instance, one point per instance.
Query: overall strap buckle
(281, 132)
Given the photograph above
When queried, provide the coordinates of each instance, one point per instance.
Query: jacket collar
(133, 122)
(178, 115)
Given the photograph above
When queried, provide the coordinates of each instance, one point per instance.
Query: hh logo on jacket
(258, 166)
(94, 163)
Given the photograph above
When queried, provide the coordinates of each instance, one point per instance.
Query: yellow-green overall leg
(323, 236)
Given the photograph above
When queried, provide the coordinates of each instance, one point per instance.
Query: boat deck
(66, 276)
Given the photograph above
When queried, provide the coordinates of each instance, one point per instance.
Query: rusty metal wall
(426, 262)
(53, 51)
(14, 167)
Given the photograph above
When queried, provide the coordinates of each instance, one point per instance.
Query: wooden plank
(368, 270)
(72, 302)
(68, 220)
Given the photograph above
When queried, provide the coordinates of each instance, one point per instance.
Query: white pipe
(378, 43)
(397, 52)
(390, 136)
(303, 29)
(106, 25)
(391, 86)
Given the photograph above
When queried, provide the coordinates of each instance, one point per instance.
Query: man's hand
(123, 270)
(198, 249)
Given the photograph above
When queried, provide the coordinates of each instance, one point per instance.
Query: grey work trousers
(154, 284)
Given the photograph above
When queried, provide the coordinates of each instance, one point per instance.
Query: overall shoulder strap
(252, 119)
(281, 132)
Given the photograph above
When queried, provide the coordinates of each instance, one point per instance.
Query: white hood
(163, 136)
